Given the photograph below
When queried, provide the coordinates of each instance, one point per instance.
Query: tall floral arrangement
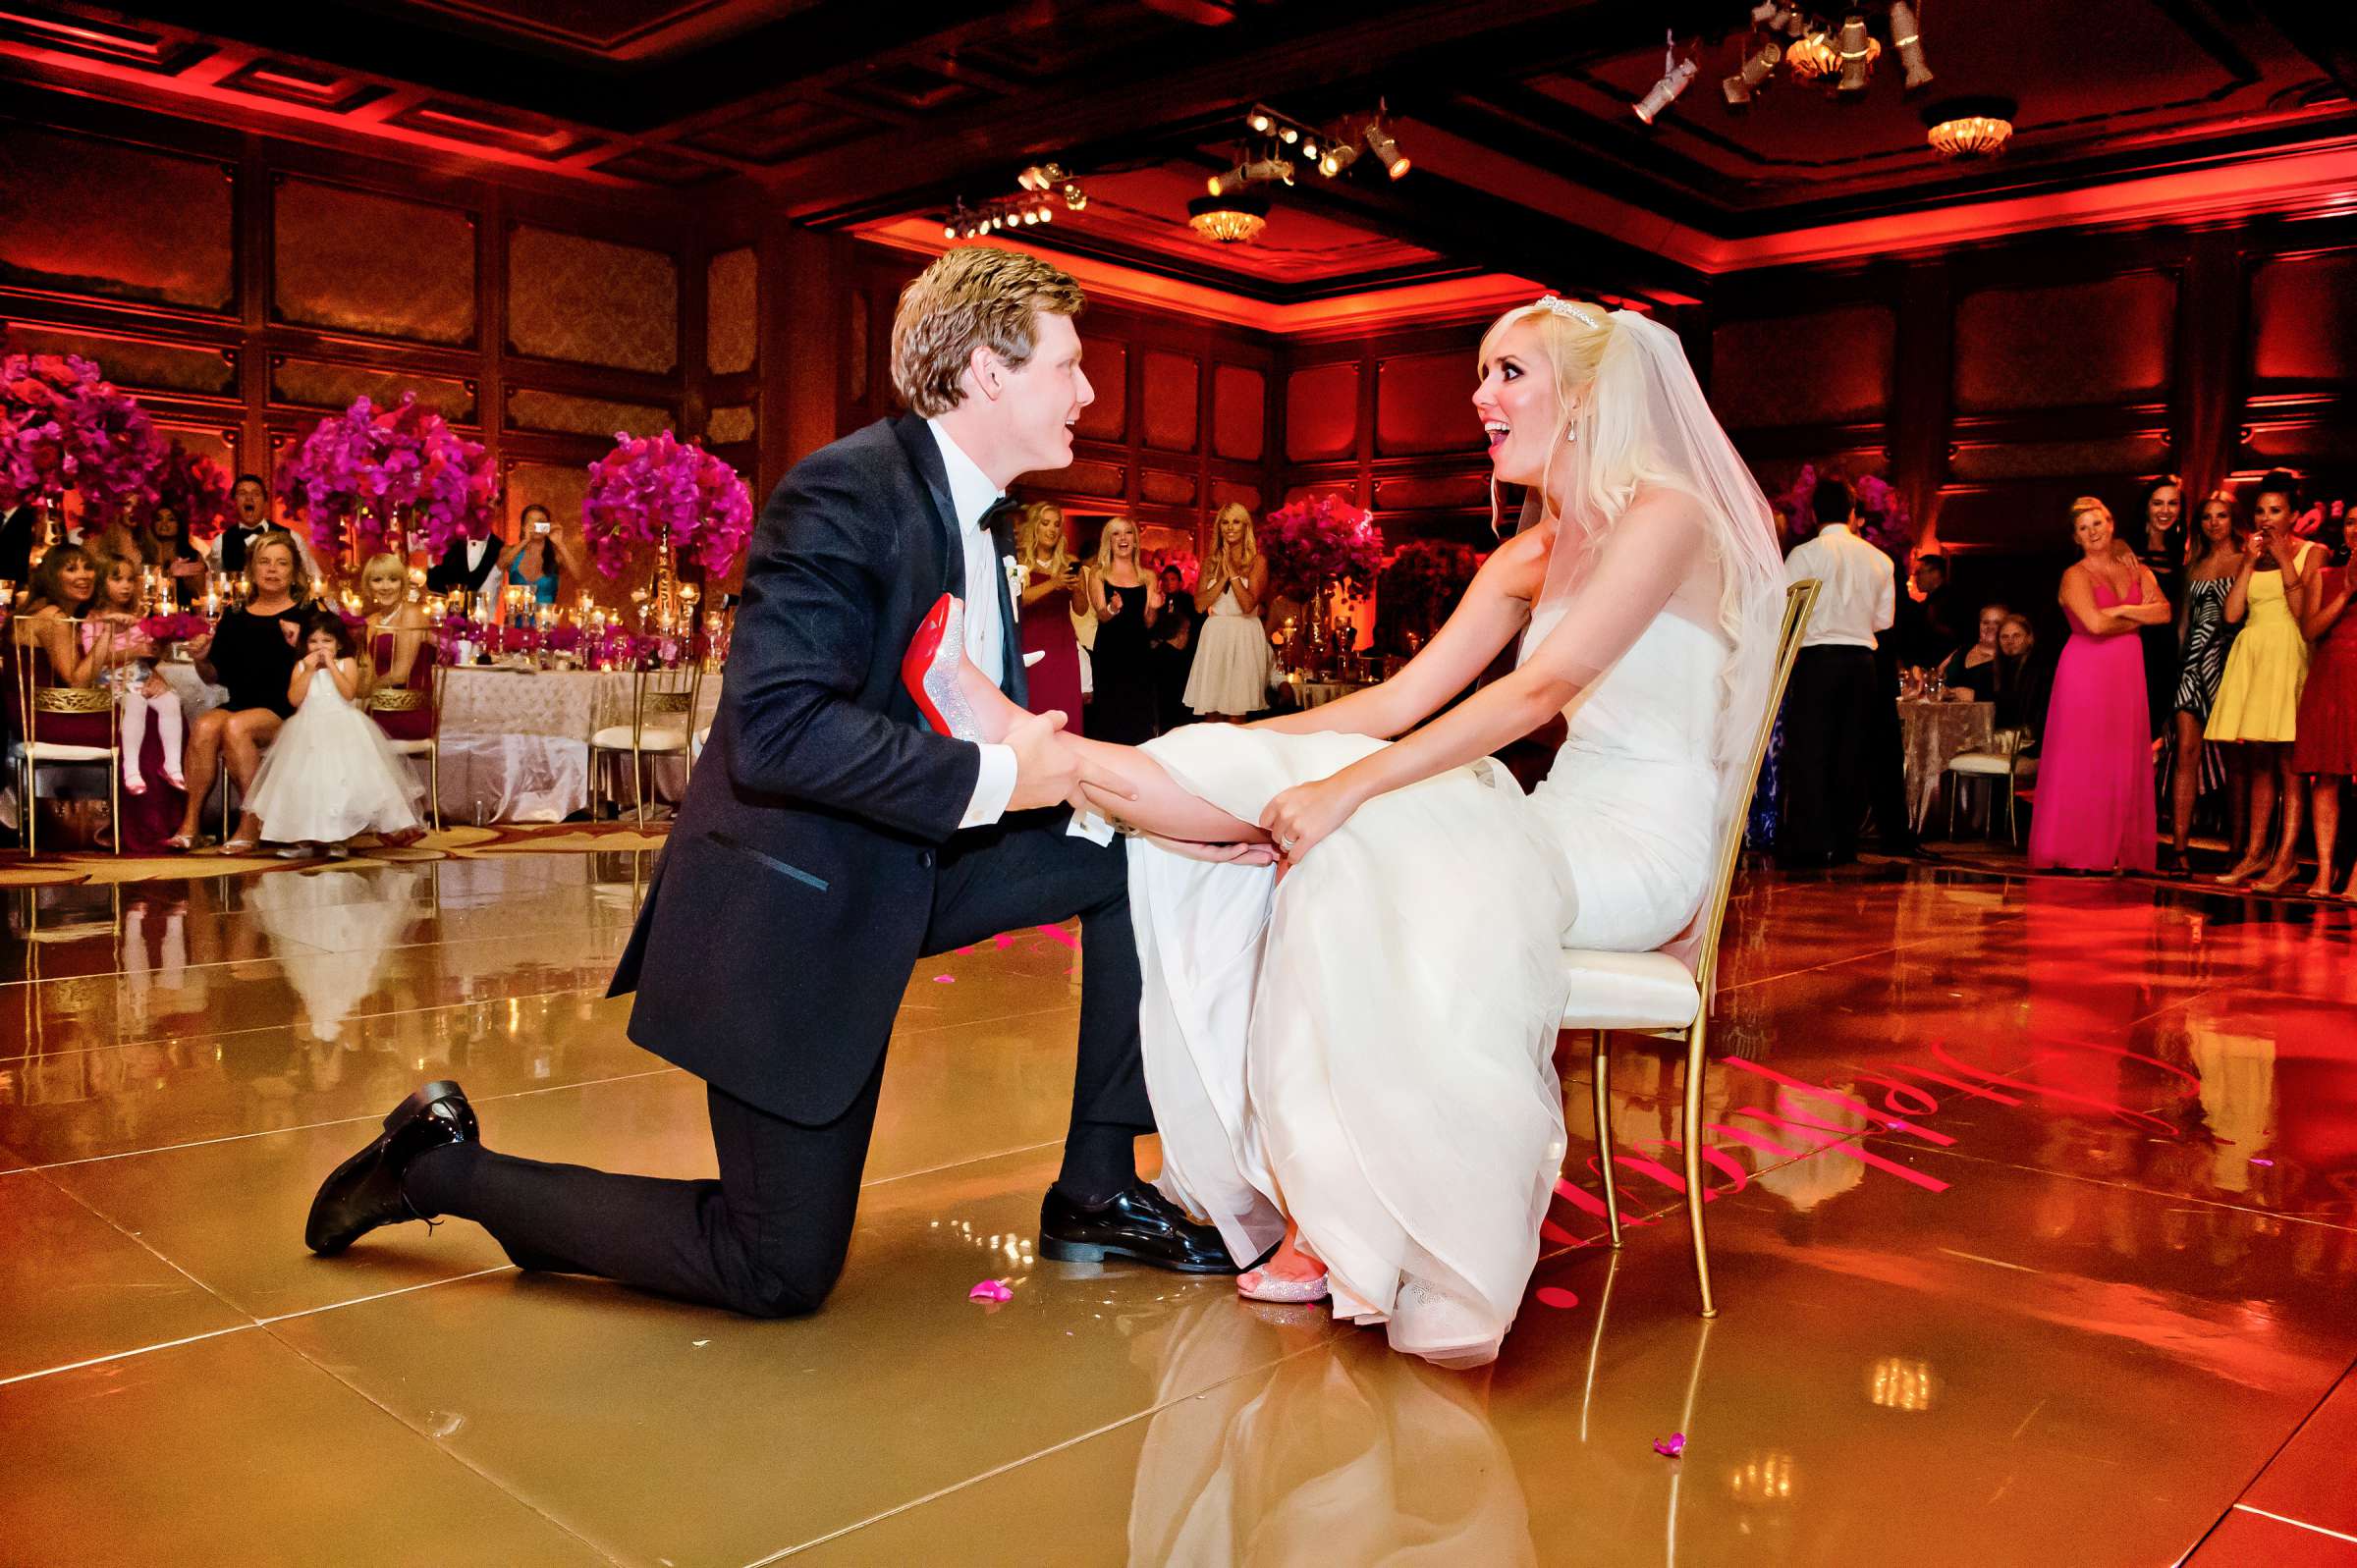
(194, 486)
(662, 491)
(366, 475)
(1420, 586)
(63, 426)
(1883, 520)
(1313, 542)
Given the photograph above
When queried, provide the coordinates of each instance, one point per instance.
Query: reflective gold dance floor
(2036, 1236)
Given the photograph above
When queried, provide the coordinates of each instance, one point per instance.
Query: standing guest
(2022, 679)
(2215, 553)
(19, 526)
(331, 775)
(143, 698)
(253, 653)
(1231, 675)
(1126, 599)
(1175, 636)
(2325, 749)
(470, 567)
(1829, 710)
(250, 498)
(1971, 673)
(532, 562)
(2162, 553)
(401, 644)
(1926, 636)
(1051, 591)
(2257, 701)
(2095, 771)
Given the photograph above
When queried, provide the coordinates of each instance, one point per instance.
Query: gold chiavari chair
(663, 713)
(1653, 994)
(406, 699)
(35, 703)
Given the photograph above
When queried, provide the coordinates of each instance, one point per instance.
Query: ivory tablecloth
(1934, 733)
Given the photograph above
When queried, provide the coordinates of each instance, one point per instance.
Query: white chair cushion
(1628, 991)
(58, 751)
(411, 748)
(1981, 761)
(616, 737)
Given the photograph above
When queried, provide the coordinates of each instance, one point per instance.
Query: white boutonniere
(1018, 577)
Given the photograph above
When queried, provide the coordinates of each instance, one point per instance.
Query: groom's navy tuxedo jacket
(795, 891)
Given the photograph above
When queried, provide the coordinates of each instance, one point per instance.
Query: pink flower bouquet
(657, 490)
(361, 472)
(1312, 543)
(65, 427)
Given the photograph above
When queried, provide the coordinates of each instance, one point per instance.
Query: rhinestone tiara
(1564, 307)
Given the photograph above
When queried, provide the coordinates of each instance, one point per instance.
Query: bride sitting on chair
(1354, 1058)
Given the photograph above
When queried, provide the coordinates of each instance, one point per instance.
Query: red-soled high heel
(929, 670)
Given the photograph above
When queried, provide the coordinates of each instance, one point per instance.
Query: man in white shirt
(1830, 717)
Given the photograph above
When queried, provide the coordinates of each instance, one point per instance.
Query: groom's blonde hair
(976, 297)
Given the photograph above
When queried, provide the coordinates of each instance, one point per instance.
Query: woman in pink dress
(2095, 769)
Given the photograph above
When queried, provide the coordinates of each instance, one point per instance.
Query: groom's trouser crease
(768, 1237)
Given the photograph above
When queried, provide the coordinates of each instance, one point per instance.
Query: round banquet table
(1309, 692)
(516, 743)
(1933, 734)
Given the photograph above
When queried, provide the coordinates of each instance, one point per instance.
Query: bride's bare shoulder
(1517, 564)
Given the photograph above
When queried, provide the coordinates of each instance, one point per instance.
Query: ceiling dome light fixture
(1233, 219)
(1812, 54)
(1964, 128)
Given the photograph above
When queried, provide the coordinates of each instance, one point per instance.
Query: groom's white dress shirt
(972, 494)
(1859, 596)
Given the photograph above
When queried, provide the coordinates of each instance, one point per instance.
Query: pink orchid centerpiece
(193, 486)
(661, 491)
(365, 476)
(63, 426)
(1883, 520)
(1315, 544)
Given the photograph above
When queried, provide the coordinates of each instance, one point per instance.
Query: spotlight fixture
(1962, 128)
(1676, 76)
(1338, 158)
(1075, 200)
(1906, 37)
(1042, 176)
(1752, 68)
(1254, 171)
(1386, 151)
(1236, 218)
(1775, 16)
(1858, 52)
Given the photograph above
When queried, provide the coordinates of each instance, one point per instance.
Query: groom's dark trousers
(815, 858)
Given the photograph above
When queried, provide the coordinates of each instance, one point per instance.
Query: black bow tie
(1000, 513)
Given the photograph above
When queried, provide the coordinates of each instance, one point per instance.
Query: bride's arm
(1495, 608)
(1659, 542)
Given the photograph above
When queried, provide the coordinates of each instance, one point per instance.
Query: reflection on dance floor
(2033, 1213)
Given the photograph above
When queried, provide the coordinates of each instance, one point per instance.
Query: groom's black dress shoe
(364, 1191)
(1137, 1222)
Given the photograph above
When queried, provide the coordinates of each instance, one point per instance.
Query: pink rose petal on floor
(990, 1290)
(2263, 1162)
(1555, 1296)
(1672, 1446)
(944, 980)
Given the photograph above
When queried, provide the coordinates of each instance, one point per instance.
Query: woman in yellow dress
(2259, 696)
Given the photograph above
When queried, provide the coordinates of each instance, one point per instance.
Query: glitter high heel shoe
(1261, 1285)
(930, 671)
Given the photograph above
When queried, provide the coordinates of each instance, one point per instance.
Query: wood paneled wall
(244, 286)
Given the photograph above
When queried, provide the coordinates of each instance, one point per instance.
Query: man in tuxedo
(251, 500)
(828, 839)
(469, 565)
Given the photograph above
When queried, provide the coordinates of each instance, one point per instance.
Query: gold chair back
(35, 697)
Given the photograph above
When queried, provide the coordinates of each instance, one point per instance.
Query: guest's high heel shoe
(930, 668)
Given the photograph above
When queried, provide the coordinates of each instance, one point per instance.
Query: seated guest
(253, 652)
(1971, 672)
(162, 541)
(401, 644)
(532, 563)
(2022, 678)
(144, 696)
(331, 775)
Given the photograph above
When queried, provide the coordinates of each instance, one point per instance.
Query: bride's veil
(1645, 424)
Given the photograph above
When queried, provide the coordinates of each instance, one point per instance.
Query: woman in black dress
(1127, 600)
(254, 653)
(2162, 550)
(2195, 770)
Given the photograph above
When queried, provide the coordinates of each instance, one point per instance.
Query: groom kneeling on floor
(830, 840)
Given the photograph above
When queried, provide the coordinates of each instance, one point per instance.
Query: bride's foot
(956, 698)
(1291, 1273)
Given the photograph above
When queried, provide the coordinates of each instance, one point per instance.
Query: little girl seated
(143, 694)
(331, 775)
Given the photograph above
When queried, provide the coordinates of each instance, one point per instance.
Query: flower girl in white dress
(331, 774)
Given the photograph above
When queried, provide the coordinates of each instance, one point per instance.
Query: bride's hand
(1306, 813)
(1219, 854)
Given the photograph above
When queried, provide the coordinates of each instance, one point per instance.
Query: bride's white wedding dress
(1367, 1044)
